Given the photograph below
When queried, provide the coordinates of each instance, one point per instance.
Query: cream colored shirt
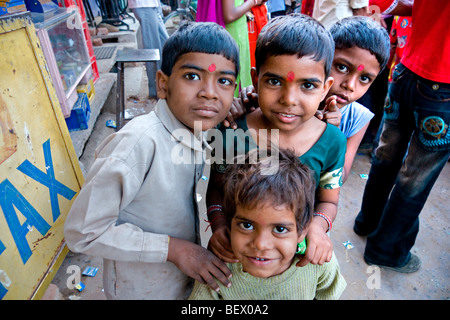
(133, 198)
(321, 282)
(328, 12)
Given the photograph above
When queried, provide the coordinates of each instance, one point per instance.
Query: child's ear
(254, 75)
(327, 86)
(303, 234)
(161, 84)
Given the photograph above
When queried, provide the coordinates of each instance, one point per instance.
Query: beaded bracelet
(328, 220)
(213, 207)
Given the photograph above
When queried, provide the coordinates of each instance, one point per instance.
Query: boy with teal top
(361, 53)
(291, 79)
(267, 216)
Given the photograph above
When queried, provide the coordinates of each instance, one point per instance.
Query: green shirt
(326, 157)
(322, 282)
(239, 31)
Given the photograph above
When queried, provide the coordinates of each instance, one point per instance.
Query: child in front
(267, 216)
(138, 208)
(293, 61)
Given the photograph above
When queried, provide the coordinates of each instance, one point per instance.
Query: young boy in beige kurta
(138, 208)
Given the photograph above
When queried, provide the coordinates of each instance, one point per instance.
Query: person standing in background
(415, 140)
(234, 15)
(276, 8)
(327, 12)
(154, 34)
(231, 14)
(259, 20)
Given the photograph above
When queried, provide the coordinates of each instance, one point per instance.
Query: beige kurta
(140, 190)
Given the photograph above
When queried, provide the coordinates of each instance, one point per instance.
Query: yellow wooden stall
(39, 171)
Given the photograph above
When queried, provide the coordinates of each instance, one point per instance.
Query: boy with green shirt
(268, 216)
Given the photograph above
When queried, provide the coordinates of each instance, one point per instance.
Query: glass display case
(61, 35)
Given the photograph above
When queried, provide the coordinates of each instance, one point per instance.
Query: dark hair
(365, 33)
(295, 34)
(248, 186)
(204, 37)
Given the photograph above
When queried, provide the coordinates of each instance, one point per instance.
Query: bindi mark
(212, 67)
(290, 76)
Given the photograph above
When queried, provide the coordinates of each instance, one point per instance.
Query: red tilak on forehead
(361, 67)
(290, 76)
(212, 67)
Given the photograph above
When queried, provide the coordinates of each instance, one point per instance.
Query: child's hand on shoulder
(319, 249)
(220, 245)
(198, 263)
(249, 98)
(246, 103)
(237, 110)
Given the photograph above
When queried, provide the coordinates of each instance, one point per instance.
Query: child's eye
(365, 79)
(226, 81)
(280, 229)
(274, 82)
(246, 225)
(192, 76)
(342, 68)
(308, 86)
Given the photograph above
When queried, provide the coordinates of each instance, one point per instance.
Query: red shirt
(427, 52)
(400, 31)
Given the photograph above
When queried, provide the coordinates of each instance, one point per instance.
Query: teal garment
(193, 4)
(239, 31)
(326, 157)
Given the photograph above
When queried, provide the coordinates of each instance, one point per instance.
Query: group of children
(138, 207)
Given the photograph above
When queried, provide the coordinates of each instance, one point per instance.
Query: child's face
(354, 69)
(264, 239)
(290, 89)
(200, 88)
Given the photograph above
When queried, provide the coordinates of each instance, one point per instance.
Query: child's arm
(232, 13)
(320, 248)
(219, 243)
(198, 263)
(92, 225)
(352, 147)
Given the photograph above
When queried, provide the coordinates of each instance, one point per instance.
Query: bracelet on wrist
(212, 208)
(327, 219)
(213, 211)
